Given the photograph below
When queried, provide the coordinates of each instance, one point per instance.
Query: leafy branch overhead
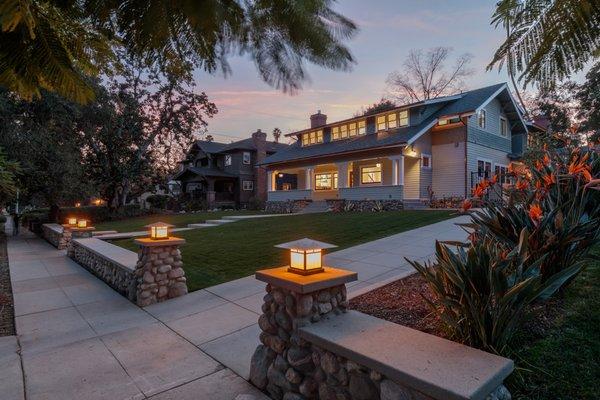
(49, 44)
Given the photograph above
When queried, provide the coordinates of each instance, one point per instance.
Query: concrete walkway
(78, 339)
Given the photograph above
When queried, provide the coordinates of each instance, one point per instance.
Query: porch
(393, 177)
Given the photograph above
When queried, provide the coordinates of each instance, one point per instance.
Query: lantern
(82, 223)
(77, 204)
(72, 221)
(306, 256)
(159, 230)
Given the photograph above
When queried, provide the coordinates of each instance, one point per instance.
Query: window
(484, 168)
(348, 130)
(352, 129)
(286, 186)
(392, 123)
(381, 123)
(503, 126)
(481, 119)
(335, 133)
(370, 174)
(501, 171)
(246, 157)
(403, 118)
(392, 120)
(247, 185)
(362, 127)
(227, 160)
(326, 181)
(448, 121)
(426, 161)
(312, 138)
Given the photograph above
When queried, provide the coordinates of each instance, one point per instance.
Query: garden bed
(7, 315)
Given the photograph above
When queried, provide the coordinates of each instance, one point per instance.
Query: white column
(308, 178)
(272, 184)
(397, 170)
(401, 170)
(342, 168)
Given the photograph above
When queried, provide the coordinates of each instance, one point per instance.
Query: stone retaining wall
(285, 207)
(118, 277)
(343, 205)
(56, 235)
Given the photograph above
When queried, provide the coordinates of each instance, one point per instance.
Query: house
(442, 146)
(226, 174)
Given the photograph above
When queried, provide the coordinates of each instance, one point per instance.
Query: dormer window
(227, 160)
(313, 137)
(348, 130)
(392, 120)
(448, 121)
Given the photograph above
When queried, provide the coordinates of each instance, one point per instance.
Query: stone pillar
(283, 364)
(65, 238)
(342, 175)
(159, 271)
(72, 232)
(309, 178)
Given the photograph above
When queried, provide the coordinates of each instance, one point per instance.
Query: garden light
(159, 230)
(72, 221)
(306, 255)
(82, 223)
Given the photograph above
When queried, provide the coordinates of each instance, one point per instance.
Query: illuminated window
(403, 118)
(362, 127)
(323, 181)
(227, 160)
(335, 133)
(481, 119)
(392, 123)
(305, 139)
(447, 121)
(503, 126)
(370, 174)
(426, 161)
(381, 123)
(344, 131)
(352, 129)
(312, 138)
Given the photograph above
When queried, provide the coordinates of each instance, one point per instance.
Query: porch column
(397, 170)
(309, 174)
(342, 168)
(272, 183)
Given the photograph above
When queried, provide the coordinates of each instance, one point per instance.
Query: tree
(381, 105)
(40, 136)
(134, 132)
(547, 40)
(8, 184)
(425, 76)
(276, 134)
(588, 96)
(47, 44)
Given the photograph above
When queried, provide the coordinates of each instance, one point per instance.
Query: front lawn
(179, 220)
(220, 254)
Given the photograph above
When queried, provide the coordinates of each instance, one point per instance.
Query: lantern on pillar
(159, 230)
(82, 223)
(72, 221)
(306, 255)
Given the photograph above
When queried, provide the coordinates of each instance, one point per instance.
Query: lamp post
(159, 230)
(306, 255)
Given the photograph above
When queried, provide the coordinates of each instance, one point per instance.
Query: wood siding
(372, 193)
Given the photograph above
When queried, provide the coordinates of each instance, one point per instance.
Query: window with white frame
(248, 185)
(347, 130)
(313, 137)
(362, 127)
(227, 160)
(246, 157)
(403, 118)
(501, 171)
(326, 181)
(370, 174)
(426, 161)
(481, 119)
(503, 126)
(392, 120)
(448, 121)
(484, 168)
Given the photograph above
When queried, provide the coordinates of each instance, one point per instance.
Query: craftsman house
(226, 174)
(441, 146)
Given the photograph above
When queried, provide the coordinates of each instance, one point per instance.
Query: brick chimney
(318, 119)
(260, 142)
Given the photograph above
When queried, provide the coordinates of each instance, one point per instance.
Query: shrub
(481, 292)
(158, 201)
(196, 205)
(254, 203)
(101, 214)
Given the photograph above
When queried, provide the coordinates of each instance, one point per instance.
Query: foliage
(425, 76)
(158, 201)
(548, 40)
(45, 44)
(381, 105)
(254, 203)
(8, 170)
(588, 96)
(196, 205)
(481, 292)
(100, 214)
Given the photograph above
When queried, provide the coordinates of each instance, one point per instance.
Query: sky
(388, 30)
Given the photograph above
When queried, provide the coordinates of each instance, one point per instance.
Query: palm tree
(49, 43)
(548, 40)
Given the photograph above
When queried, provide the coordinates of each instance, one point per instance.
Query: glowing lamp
(82, 223)
(280, 175)
(72, 221)
(77, 204)
(159, 230)
(306, 255)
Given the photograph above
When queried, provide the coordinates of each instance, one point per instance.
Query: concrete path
(79, 339)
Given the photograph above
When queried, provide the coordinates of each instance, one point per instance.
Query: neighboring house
(445, 145)
(227, 173)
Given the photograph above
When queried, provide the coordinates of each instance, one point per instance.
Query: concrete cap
(158, 225)
(330, 277)
(305, 244)
(429, 364)
(147, 242)
(86, 229)
(124, 258)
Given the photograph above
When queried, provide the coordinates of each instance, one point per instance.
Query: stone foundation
(285, 207)
(159, 273)
(342, 205)
(56, 235)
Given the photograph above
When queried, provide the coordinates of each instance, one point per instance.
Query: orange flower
(539, 165)
(522, 184)
(538, 185)
(546, 159)
(466, 205)
(494, 179)
(504, 255)
(580, 167)
(535, 213)
(479, 191)
(549, 179)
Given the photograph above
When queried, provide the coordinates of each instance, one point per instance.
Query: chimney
(260, 143)
(318, 119)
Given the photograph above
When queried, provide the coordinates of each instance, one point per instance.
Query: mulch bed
(7, 313)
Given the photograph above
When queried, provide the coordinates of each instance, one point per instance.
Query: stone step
(218, 221)
(202, 225)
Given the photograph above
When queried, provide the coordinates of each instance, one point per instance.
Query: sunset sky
(388, 30)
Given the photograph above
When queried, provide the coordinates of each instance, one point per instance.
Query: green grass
(565, 363)
(179, 220)
(223, 253)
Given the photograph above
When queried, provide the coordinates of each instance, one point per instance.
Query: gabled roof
(248, 144)
(210, 147)
(203, 172)
(464, 103)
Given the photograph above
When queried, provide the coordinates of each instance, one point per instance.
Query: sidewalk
(81, 340)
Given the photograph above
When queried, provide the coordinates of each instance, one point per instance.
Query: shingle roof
(466, 102)
(204, 171)
(248, 144)
(210, 147)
